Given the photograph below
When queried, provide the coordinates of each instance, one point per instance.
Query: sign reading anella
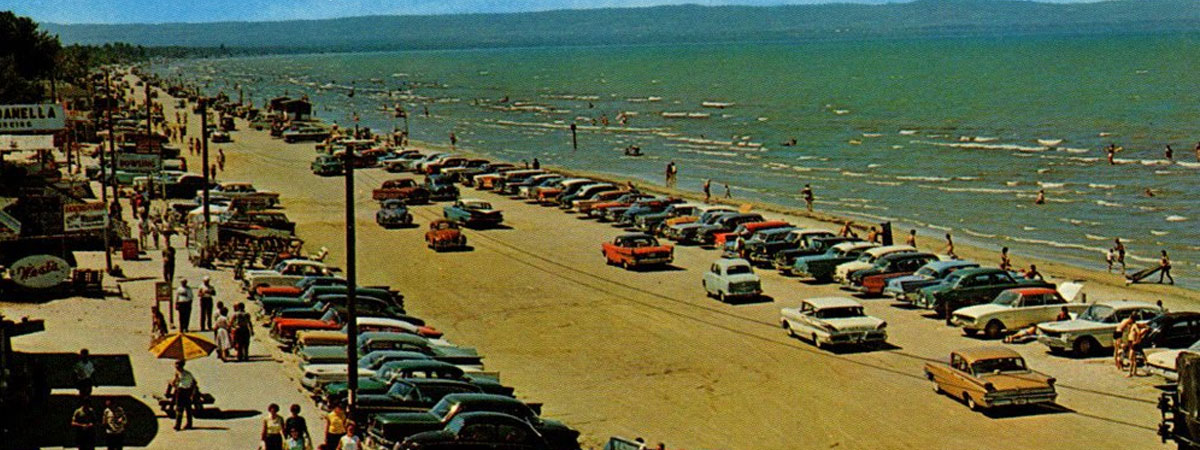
(35, 117)
(40, 271)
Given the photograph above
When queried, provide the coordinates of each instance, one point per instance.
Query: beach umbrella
(182, 346)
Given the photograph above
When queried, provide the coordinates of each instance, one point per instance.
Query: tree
(27, 59)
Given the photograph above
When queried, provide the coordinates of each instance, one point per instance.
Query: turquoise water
(933, 134)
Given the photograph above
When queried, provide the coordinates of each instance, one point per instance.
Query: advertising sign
(40, 271)
(15, 143)
(31, 118)
(138, 162)
(84, 216)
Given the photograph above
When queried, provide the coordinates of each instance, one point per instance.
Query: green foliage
(27, 58)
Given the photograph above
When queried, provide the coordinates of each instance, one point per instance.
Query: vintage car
(706, 234)
(316, 293)
(652, 223)
(784, 258)
(671, 227)
(487, 181)
(480, 430)
(968, 287)
(220, 137)
(820, 267)
(468, 169)
(436, 167)
(902, 288)
(403, 189)
(445, 235)
(594, 207)
(1014, 310)
(299, 287)
(751, 240)
(520, 187)
(545, 180)
(1172, 330)
(440, 187)
(570, 189)
(237, 218)
(567, 201)
(865, 261)
(511, 181)
(414, 367)
(625, 217)
(467, 176)
(301, 134)
(870, 282)
(1093, 329)
(637, 250)
(731, 278)
(316, 377)
(548, 195)
(387, 429)
(988, 377)
(411, 395)
(473, 213)
(1164, 363)
(747, 230)
(327, 165)
(403, 161)
(419, 164)
(245, 192)
(393, 213)
(286, 273)
(467, 358)
(833, 321)
(762, 252)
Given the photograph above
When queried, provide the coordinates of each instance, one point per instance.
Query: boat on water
(1050, 142)
(718, 105)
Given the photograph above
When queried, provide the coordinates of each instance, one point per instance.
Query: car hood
(852, 266)
(1076, 326)
(1164, 359)
(688, 226)
(981, 310)
(300, 323)
(334, 369)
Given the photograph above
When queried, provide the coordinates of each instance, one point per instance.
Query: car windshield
(926, 272)
(1006, 298)
(478, 205)
(738, 269)
(841, 312)
(994, 365)
(1096, 313)
(442, 408)
(642, 241)
(952, 278)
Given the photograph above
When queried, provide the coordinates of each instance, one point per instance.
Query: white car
(867, 260)
(833, 321)
(1164, 362)
(731, 278)
(1018, 308)
(286, 273)
(1094, 328)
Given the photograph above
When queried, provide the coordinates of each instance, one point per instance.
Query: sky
(159, 11)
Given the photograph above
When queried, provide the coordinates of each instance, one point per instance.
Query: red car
(637, 250)
(401, 188)
(747, 230)
(444, 234)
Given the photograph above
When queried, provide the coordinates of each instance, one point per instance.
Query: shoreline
(968, 251)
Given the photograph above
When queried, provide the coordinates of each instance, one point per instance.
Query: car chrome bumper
(653, 261)
(856, 337)
(1021, 400)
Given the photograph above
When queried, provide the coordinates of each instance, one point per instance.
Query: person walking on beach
(221, 332)
(1041, 197)
(335, 424)
(707, 190)
(272, 429)
(114, 421)
(672, 171)
(1005, 262)
(183, 304)
(1165, 268)
(168, 256)
(242, 329)
(453, 140)
(911, 240)
(1120, 249)
(807, 194)
(83, 421)
(1120, 338)
(1169, 153)
(727, 193)
(536, 164)
(206, 292)
(221, 159)
(183, 388)
(950, 247)
(1110, 258)
(84, 371)
(351, 440)
(295, 425)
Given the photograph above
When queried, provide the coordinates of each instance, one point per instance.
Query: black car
(1173, 330)
(410, 395)
(186, 186)
(783, 259)
(479, 431)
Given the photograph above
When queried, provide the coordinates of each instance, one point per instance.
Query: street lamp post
(351, 283)
(204, 169)
(103, 175)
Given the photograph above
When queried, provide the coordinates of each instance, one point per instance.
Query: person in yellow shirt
(335, 425)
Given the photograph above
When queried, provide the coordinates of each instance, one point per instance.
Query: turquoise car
(821, 267)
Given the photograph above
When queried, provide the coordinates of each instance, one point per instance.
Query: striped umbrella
(183, 346)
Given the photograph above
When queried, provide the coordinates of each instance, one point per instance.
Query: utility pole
(351, 283)
(103, 181)
(204, 158)
(112, 143)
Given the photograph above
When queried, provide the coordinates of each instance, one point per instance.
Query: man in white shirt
(184, 385)
(84, 370)
(183, 304)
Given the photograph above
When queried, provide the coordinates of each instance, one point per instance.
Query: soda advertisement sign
(40, 271)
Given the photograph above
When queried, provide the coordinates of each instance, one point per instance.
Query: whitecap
(1094, 237)
(908, 132)
(1109, 204)
(1101, 186)
(841, 112)
(1028, 228)
(1043, 170)
(1176, 219)
(872, 166)
(921, 178)
(966, 178)
(1050, 185)
(978, 234)
(1011, 183)
(872, 135)
(884, 183)
(1159, 233)
(855, 174)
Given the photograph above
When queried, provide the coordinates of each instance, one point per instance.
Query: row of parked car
(416, 389)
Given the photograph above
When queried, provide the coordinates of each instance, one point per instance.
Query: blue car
(901, 288)
(393, 213)
(440, 187)
(473, 213)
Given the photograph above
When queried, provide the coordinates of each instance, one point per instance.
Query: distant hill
(664, 24)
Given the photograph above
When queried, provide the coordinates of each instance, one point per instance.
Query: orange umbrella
(183, 346)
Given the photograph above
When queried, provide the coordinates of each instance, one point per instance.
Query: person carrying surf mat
(1141, 274)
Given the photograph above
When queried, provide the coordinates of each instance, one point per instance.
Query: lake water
(933, 134)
